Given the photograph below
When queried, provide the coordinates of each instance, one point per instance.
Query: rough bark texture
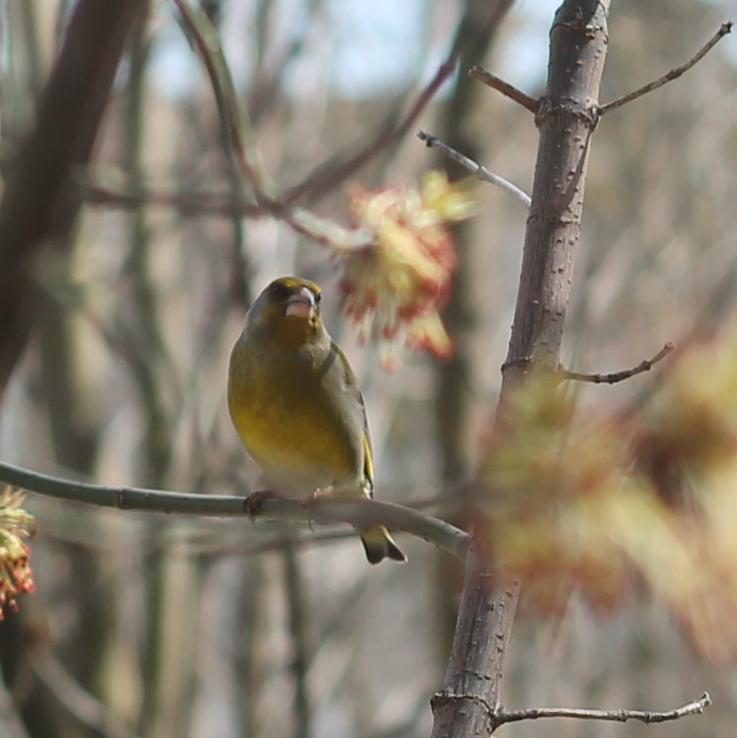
(465, 706)
(578, 42)
(38, 206)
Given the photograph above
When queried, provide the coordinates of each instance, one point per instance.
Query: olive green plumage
(294, 401)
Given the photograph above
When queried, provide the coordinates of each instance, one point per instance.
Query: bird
(296, 406)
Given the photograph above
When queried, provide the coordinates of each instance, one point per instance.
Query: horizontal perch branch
(620, 716)
(360, 513)
(724, 29)
(480, 171)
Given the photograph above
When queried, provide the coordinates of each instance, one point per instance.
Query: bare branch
(187, 203)
(620, 716)
(510, 91)
(38, 207)
(240, 137)
(724, 29)
(614, 377)
(359, 513)
(327, 176)
(480, 171)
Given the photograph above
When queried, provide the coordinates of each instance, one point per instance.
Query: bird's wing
(351, 387)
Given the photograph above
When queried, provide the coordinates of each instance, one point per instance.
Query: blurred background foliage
(158, 627)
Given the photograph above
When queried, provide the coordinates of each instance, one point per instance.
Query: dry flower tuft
(395, 287)
(16, 524)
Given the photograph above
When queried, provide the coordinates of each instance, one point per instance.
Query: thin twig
(614, 377)
(327, 176)
(620, 716)
(205, 39)
(240, 138)
(332, 173)
(359, 513)
(510, 91)
(477, 169)
(724, 29)
(187, 203)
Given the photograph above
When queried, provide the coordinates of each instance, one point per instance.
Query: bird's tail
(380, 545)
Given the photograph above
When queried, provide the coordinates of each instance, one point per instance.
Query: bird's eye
(318, 297)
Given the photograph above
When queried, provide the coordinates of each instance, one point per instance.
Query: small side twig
(510, 91)
(724, 29)
(475, 168)
(697, 707)
(614, 377)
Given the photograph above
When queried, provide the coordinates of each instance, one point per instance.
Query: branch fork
(591, 114)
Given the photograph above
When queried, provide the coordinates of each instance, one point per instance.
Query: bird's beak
(301, 303)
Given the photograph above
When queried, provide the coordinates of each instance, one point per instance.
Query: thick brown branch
(510, 91)
(614, 377)
(38, 206)
(359, 513)
(578, 43)
(724, 29)
(620, 716)
(477, 169)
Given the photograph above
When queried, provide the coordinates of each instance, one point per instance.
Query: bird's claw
(253, 504)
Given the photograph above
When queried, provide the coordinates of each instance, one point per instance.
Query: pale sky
(367, 47)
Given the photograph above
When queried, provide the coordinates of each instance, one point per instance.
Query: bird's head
(286, 313)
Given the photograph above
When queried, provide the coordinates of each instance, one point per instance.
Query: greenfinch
(295, 404)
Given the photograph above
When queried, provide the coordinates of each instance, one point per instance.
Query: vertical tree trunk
(578, 42)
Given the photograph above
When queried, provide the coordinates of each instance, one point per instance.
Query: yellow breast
(290, 426)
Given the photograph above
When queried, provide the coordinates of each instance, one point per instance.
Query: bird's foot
(253, 505)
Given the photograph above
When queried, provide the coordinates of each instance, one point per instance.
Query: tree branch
(240, 143)
(620, 716)
(38, 206)
(332, 173)
(614, 377)
(359, 513)
(510, 91)
(480, 171)
(578, 45)
(724, 29)
(193, 203)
